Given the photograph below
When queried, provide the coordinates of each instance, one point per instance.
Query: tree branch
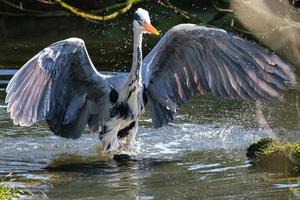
(93, 17)
(178, 11)
(19, 7)
(221, 9)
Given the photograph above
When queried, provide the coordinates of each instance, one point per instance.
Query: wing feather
(194, 60)
(59, 85)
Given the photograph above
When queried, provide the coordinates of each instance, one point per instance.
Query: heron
(61, 85)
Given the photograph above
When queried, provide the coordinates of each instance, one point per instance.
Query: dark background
(27, 26)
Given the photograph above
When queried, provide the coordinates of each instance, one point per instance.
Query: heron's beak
(150, 29)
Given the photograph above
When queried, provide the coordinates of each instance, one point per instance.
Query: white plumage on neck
(132, 89)
(134, 83)
(135, 72)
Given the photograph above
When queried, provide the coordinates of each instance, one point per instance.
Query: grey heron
(61, 85)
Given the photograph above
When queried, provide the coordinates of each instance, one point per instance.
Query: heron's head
(141, 21)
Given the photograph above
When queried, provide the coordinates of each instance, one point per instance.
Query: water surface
(200, 156)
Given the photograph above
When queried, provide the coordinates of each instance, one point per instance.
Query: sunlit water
(201, 156)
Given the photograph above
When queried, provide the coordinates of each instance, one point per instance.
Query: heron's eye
(140, 22)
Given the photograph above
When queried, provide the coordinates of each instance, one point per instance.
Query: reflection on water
(201, 156)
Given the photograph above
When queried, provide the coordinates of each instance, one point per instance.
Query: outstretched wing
(60, 85)
(193, 60)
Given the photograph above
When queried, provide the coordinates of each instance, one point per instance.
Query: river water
(200, 156)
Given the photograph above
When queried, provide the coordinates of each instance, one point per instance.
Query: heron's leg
(108, 138)
(130, 137)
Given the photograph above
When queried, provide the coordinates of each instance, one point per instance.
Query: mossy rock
(7, 192)
(275, 155)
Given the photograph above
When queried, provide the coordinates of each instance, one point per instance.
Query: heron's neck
(135, 73)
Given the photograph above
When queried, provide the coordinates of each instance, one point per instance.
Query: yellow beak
(150, 29)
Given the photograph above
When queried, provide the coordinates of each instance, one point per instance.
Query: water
(201, 156)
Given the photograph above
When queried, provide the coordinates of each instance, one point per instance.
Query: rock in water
(275, 155)
(122, 157)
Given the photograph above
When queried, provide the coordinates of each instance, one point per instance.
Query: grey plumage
(192, 60)
(117, 81)
(61, 85)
